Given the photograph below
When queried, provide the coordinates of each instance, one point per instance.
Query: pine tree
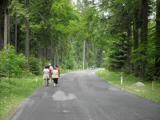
(157, 60)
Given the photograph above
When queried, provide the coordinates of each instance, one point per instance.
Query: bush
(35, 65)
(12, 64)
(152, 73)
(69, 64)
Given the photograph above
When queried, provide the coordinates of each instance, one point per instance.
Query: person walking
(55, 76)
(50, 72)
(46, 75)
(58, 68)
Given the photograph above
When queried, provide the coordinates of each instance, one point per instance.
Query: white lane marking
(61, 96)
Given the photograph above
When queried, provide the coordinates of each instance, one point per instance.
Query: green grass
(149, 91)
(15, 90)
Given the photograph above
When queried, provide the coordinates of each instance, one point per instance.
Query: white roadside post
(121, 80)
(84, 45)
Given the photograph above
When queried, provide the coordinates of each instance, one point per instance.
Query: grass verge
(13, 91)
(150, 91)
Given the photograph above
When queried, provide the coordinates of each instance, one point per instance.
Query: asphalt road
(83, 96)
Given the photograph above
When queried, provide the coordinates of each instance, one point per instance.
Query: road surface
(83, 96)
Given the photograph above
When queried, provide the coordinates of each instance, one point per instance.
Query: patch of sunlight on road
(61, 96)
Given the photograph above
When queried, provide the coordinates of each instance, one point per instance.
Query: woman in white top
(46, 75)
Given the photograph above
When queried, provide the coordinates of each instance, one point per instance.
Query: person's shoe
(54, 85)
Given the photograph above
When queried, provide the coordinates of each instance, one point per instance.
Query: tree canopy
(121, 35)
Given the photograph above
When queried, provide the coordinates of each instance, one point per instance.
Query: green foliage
(35, 65)
(70, 62)
(17, 9)
(16, 65)
(137, 19)
(54, 25)
(137, 56)
(116, 55)
(58, 29)
(11, 63)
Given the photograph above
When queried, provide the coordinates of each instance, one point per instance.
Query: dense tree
(119, 34)
(157, 60)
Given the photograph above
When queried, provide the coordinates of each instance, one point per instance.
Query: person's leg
(57, 81)
(47, 82)
(44, 82)
(54, 82)
(51, 79)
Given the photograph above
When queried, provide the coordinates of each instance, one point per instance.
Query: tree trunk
(135, 32)
(136, 37)
(144, 35)
(1, 27)
(129, 47)
(144, 32)
(52, 51)
(5, 28)
(15, 35)
(157, 60)
(9, 30)
(46, 53)
(84, 52)
(57, 61)
(27, 40)
(43, 51)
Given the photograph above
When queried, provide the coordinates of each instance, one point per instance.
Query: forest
(120, 35)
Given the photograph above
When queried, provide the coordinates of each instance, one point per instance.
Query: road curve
(83, 96)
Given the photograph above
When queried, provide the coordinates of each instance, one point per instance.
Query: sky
(75, 1)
